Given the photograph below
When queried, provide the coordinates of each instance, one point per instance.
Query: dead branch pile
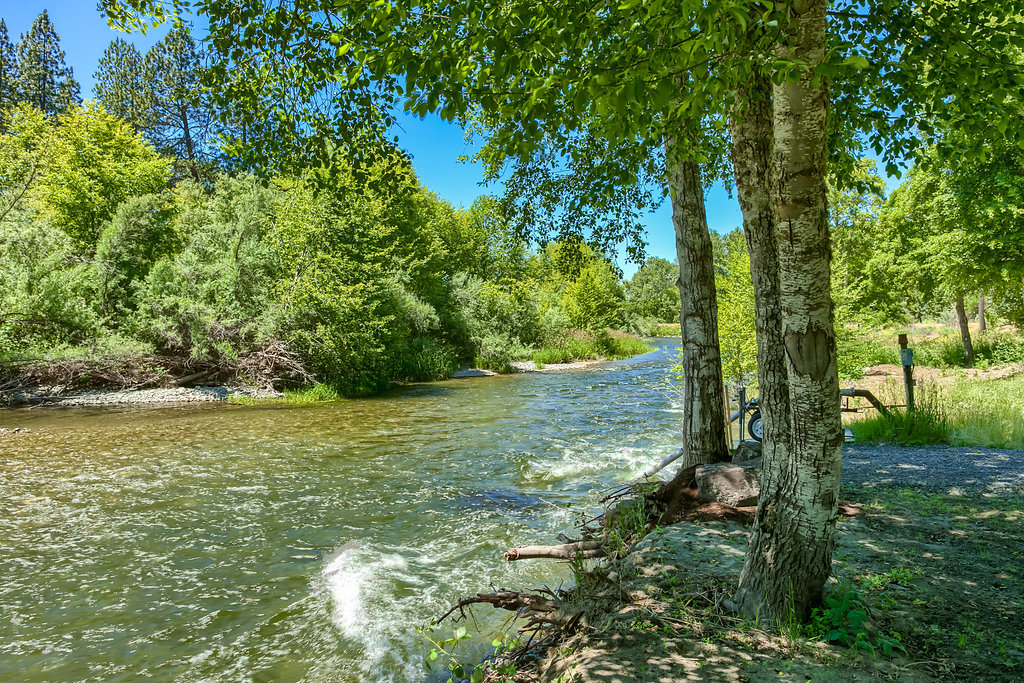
(266, 367)
(270, 366)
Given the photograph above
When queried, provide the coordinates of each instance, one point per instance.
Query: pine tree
(44, 80)
(8, 70)
(181, 119)
(120, 86)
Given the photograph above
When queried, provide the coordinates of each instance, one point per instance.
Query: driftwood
(538, 609)
(566, 551)
(658, 468)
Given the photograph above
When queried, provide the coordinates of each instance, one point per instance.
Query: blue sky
(434, 144)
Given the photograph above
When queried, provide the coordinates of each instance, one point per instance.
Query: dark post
(907, 361)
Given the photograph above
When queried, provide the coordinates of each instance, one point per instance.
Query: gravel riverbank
(98, 397)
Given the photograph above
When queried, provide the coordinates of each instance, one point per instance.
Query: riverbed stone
(732, 483)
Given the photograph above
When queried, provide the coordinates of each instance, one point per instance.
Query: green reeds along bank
(588, 345)
(965, 413)
(304, 396)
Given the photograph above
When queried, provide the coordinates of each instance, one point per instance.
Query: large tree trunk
(751, 129)
(703, 421)
(982, 326)
(790, 552)
(965, 331)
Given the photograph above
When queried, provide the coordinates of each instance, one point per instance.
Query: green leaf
(858, 62)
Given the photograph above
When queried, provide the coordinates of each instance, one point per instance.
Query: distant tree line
(125, 232)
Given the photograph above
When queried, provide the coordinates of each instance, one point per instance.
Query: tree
(122, 87)
(958, 227)
(736, 306)
(24, 148)
(178, 120)
(593, 300)
(853, 212)
(648, 73)
(44, 80)
(8, 73)
(96, 162)
(652, 291)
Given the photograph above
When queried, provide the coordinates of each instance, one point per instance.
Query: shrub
(857, 350)
(498, 352)
(423, 360)
(48, 290)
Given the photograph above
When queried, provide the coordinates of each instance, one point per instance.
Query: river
(274, 543)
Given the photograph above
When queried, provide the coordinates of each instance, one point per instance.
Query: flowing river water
(273, 543)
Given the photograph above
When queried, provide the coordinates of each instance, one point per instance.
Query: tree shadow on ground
(939, 574)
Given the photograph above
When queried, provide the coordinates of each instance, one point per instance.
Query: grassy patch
(317, 393)
(666, 330)
(962, 413)
(585, 345)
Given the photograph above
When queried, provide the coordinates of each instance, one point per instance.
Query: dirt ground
(938, 576)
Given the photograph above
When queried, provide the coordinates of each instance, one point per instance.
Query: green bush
(857, 349)
(423, 360)
(498, 352)
(48, 293)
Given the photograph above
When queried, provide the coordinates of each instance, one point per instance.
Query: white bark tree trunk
(982, 323)
(752, 142)
(703, 421)
(790, 551)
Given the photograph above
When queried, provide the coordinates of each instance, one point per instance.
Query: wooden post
(907, 361)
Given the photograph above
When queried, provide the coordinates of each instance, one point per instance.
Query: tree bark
(982, 326)
(703, 424)
(752, 141)
(965, 331)
(790, 551)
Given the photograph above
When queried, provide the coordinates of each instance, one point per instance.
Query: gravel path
(951, 468)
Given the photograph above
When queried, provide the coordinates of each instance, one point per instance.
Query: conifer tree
(180, 122)
(8, 71)
(121, 87)
(44, 80)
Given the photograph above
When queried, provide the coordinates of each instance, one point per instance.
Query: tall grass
(990, 348)
(586, 345)
(966, 413)
(303, 396)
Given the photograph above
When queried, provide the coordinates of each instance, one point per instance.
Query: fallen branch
(536, 608)
(566, 551)
(664, 463)
(202, 374)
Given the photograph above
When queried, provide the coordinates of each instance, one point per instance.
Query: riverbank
(59, 397)
(930, 561)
